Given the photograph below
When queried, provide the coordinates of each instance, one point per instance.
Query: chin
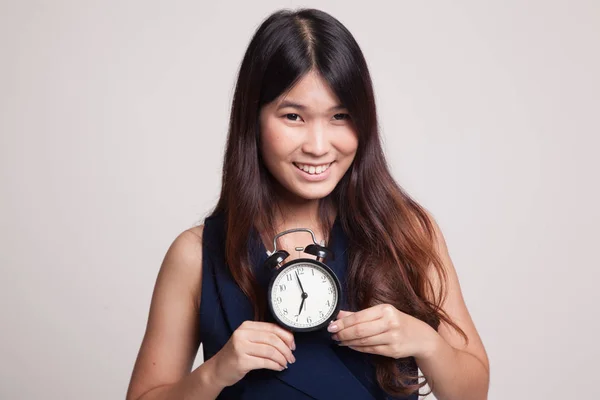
(314, 194)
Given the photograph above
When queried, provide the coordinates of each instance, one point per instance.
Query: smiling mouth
(313, 170)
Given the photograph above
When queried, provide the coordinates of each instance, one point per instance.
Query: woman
(303, 151)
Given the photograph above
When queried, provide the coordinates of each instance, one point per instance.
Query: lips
(314, 177)
(313, 169)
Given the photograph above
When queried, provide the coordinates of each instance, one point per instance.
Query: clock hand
(299, 283)
(301, 304)
(304, 294)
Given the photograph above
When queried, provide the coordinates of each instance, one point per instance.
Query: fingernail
(293, 359)
(335, 337)
(293, 346)
(332, 328)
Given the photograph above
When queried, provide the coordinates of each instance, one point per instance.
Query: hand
(253, 345)
(384, 330)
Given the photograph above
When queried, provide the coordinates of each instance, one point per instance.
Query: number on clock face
(286, 295)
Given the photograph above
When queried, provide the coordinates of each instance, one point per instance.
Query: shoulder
(183, 261)
(197, 231)
(187, 247)
(439, 241)
(439, 246)
(452, 301)
(171, 340)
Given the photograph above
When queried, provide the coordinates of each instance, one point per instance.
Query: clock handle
(322, 253)
(291, 231)
(275, 259)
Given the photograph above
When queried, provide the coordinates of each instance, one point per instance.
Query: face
(308, 139)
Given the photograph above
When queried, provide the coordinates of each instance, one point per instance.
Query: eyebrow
(287, 103)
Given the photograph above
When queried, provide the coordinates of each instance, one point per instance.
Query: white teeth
(311, 169)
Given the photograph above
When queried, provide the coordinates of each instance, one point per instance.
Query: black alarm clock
(303, 294)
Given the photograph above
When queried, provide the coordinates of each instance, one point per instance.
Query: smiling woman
(303, 150)
(315, 145)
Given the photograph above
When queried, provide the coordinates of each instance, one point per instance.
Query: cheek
(348, 144)
(275, 145)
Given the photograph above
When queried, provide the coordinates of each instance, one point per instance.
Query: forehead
(310, 92)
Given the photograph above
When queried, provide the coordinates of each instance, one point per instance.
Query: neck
(297, 214)
(293, 211)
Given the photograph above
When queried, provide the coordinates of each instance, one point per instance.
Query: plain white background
(113, 118)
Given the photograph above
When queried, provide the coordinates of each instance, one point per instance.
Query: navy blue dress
(323, 370)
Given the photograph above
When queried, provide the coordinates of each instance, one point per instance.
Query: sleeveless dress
(323, 370)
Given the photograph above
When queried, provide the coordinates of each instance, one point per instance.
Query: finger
(267, 351)
(343, 313)
(255, 362)
(285, 335)
(361, 330)
(369, 314)
(375, 340)
(378, 349)
(271, 339)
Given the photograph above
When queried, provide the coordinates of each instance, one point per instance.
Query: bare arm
(171, 341)
(454, 369)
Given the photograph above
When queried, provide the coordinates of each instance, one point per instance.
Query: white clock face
(319, 299)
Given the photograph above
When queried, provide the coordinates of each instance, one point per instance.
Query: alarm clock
(303, 294)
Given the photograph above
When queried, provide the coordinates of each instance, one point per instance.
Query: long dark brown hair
(391, 238)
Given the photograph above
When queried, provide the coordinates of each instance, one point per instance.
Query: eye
(341, 117)
(292, 117)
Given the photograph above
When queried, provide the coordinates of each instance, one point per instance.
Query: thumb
(343, 314)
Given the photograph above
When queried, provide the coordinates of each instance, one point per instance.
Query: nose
(316, 140)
